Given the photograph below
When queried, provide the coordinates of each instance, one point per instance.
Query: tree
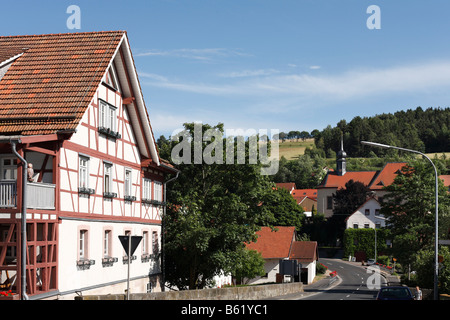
(346, 201)
(283, 208)
(214, 209)
(409, 206)
(248, 264)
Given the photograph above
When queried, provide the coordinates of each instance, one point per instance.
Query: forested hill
(423, 130)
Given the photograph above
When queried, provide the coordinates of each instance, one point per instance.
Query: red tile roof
(274, 244)
(49, 87)
(387, 175)
(301, 193)
(305, 251)
(446, 179)
(289, 186)
(376, 180)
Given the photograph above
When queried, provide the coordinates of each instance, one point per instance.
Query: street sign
(135, 240)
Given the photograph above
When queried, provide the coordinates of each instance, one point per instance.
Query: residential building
(279, 244)
(367, 216)
(79, 167)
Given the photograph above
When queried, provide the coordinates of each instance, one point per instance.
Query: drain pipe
(24, 223)
(163, 267)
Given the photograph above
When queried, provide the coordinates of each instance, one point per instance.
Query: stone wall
(232, 293)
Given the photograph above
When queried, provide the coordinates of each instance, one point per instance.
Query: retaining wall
(233, 293)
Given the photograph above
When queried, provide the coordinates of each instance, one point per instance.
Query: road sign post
(129, 244)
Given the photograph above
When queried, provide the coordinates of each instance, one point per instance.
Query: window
(158, 191)
(127, 191)
(107, 181)
(145, 242)
(147, 189)
(84, 172)
(355, 226)
(9, 168)
(155, 244)
(83, 241)
(107, 119)
(366, 226)
(107, 243)
(377, 212)
(367, 212)
(378, 225)
(329, 202)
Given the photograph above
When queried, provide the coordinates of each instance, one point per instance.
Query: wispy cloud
(204, 54)
(347, 85)
(249, 73)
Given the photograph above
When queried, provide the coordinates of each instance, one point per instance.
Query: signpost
(129, 244)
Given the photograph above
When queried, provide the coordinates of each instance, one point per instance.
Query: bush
(320, 268)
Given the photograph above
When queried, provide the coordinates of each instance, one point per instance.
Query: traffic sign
(135, 240)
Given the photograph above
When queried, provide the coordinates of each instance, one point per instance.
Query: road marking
(347, 296)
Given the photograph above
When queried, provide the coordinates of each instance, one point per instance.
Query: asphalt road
(354, 283)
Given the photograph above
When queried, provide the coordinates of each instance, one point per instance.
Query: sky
(267, 64)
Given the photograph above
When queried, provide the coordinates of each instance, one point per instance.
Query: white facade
(101, 185)
(367, 216)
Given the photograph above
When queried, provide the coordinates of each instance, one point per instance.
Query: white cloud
(204, 54)
(249, 73)
(348, 85)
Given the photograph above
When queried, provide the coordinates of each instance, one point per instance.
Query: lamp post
(436, 262)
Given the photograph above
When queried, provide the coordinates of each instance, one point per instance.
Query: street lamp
(436, 263)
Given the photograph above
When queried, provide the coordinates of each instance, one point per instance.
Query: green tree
(409, 206)
(248, 264)
(214, 209)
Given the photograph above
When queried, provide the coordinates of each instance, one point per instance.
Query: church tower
(341, 162)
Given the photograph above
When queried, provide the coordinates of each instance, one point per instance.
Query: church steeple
(341, 162)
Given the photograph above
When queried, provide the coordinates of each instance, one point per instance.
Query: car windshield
(395, 293)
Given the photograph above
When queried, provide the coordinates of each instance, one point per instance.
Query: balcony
(40, 196)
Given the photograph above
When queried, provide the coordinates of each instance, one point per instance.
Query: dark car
(395, 293)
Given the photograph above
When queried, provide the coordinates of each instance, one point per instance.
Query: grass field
(292, 149)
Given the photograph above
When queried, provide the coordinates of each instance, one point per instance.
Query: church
(335, 180)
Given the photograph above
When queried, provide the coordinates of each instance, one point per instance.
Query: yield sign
(135, 240)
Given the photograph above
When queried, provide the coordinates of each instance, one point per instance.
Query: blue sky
(267, 64)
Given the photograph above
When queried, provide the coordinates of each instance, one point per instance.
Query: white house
(72, 107)
(366, 216)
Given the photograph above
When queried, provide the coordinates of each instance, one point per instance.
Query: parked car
(395, 293)
(370, 262)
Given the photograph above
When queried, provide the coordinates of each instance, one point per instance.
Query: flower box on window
(130, 198)
(84, 190)
(109, 261)
(109, 195)
(110, 133)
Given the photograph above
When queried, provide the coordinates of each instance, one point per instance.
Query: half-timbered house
(79, 167)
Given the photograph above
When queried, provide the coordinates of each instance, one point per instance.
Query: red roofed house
(273, 245)
(446, 180)
(72, 107)
(307, 199)
(333, 181)
(306, 253)
(289, 186)
(279, 244)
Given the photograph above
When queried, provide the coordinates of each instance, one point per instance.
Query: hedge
(356, 240)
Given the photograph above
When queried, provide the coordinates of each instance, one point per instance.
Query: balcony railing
(39, 195)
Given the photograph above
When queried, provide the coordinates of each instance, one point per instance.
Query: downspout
(163, 267)
(24, 223)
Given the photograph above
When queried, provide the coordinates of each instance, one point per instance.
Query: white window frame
(147, 189)
(12, 167)
(107, 237)
(107, 115)
(157, 191)
(128, 182)
(84, 172)
(82, 244)
(107, 171)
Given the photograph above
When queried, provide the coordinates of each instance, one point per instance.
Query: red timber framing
(42, 224)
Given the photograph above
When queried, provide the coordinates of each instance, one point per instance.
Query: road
(355, 283)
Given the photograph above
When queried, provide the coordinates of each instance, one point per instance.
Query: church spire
(341, 162)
